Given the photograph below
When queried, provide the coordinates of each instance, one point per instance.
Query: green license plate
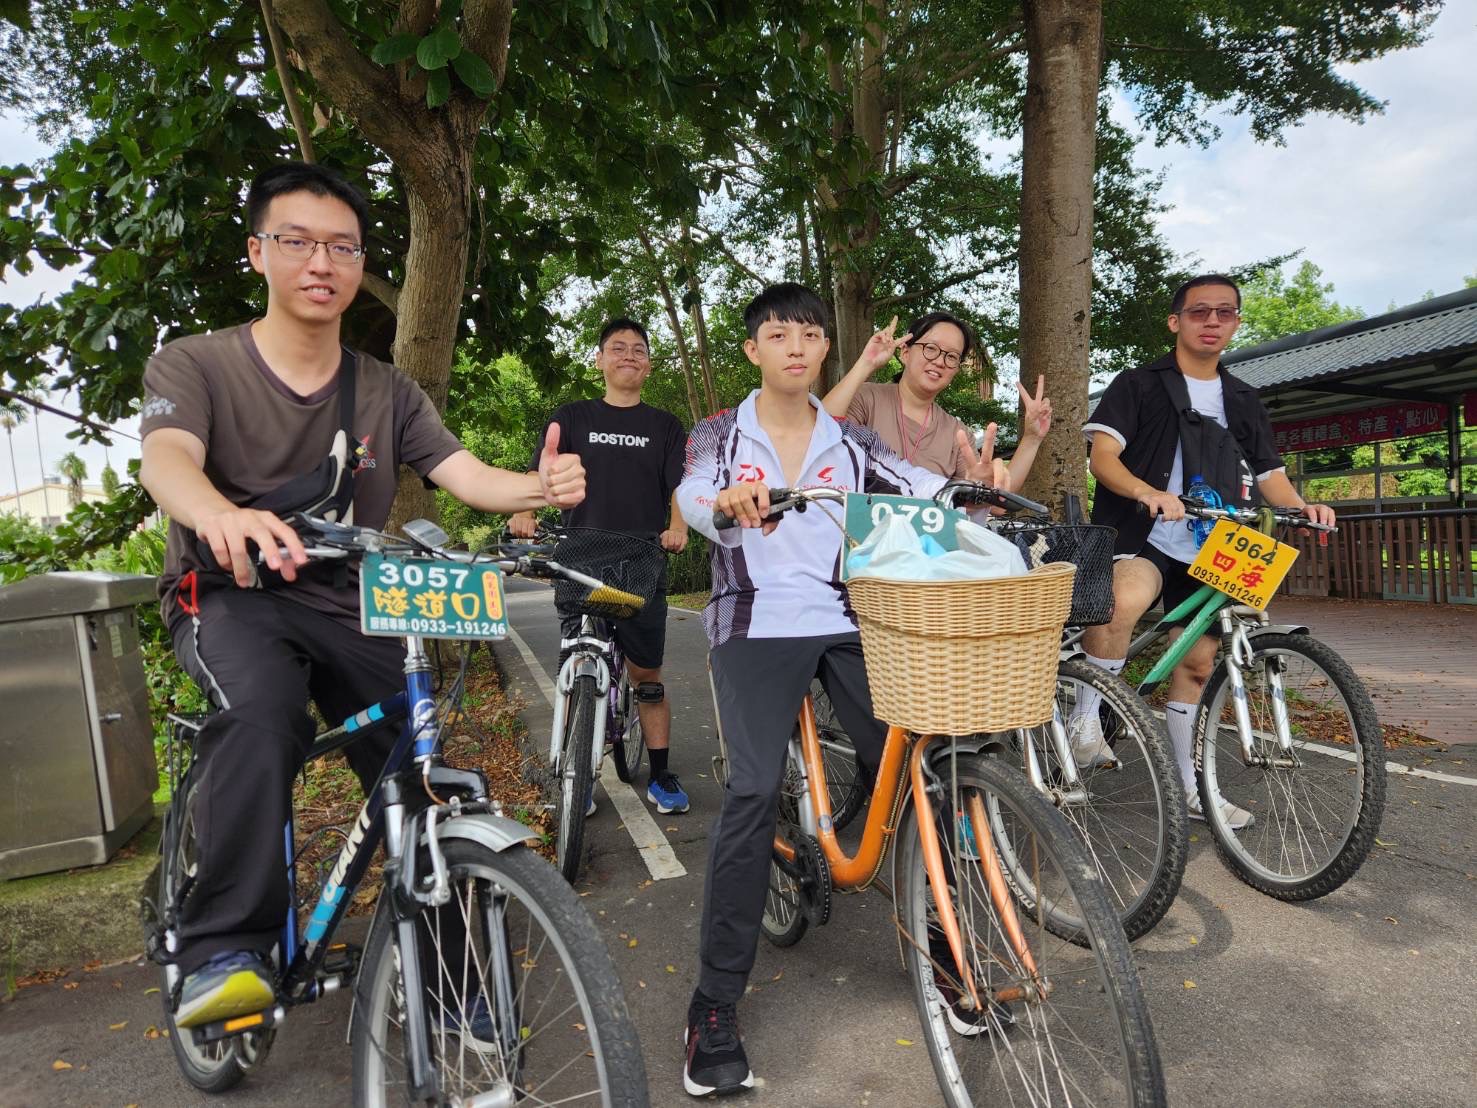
(864, 511)
(434, 598)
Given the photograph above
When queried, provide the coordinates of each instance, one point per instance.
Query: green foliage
(1273, 306)
(88, 527)
(110, 482)
(1470, 282)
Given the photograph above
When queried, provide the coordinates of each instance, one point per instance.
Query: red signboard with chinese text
(1388, 421)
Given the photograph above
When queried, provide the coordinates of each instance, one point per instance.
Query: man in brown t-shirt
(228, 418)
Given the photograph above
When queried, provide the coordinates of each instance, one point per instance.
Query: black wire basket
(1089, 548)
(623, 562)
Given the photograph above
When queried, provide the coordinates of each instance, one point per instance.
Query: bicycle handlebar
(953, 495)
(1287, 517)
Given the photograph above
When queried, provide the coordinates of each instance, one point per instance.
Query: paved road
(1364, 998)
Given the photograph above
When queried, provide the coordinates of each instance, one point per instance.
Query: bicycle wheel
(1062, 1024)
(516, 953)
(630, 747)
(1314, 823)
(1131, 815)
(210, 1067)
(575, 775)
(784, 922)
(845, 782)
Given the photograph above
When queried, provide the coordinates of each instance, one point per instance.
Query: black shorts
(642, 638)
(1177, 584)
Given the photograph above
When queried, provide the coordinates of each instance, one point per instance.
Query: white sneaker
(1237, 819)
(1089, 749)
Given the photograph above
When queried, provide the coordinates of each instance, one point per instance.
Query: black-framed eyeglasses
(298, 246)
(1201, 312)
(933, 352)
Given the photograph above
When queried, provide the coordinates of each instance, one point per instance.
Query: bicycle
(1131, 812)
(482, 979)
(1284, 727)
(592, 671)
(1011, 1009)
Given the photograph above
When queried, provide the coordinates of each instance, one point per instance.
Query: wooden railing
(1423, 555)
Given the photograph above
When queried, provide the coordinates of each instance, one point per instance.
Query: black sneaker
(716, 1062)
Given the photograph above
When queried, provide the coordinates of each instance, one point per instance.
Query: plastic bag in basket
(895, 551)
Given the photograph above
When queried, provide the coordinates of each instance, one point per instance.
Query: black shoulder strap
(347, 365)
(1191, 423)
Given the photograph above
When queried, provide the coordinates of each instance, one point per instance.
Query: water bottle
(1202, 492)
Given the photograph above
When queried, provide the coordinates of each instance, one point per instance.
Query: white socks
(1178, 720)
(1089, 699)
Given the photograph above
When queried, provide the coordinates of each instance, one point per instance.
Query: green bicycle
(1284, 728)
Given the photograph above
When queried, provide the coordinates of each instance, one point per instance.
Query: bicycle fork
(579, 664)
(1000, 897)
(1240, 661)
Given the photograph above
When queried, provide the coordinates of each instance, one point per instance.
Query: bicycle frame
(903, 772)
(1210, 605)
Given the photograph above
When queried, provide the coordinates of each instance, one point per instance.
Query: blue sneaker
(477, 1031)
(968, 849)
(666, 793)
(237, 983)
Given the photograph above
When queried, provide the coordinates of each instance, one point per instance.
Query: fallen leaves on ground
(117, 1026)
(59, 1065)
(40, 977)
(1191, 985)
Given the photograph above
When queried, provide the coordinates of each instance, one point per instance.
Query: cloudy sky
(1385, 208)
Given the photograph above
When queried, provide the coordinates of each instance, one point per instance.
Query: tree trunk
(430, 300)
(674, 319)
(1063, 70)
(853, 317)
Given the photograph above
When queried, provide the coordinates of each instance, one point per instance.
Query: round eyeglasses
(933, 352)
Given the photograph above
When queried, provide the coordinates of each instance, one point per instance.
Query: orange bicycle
(1015, 1008)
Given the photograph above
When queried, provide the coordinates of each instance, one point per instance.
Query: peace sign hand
(881, 347)
(983, 468)
(1035, 410)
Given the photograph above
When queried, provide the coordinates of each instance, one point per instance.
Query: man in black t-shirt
(1138, 460)
(633, 456)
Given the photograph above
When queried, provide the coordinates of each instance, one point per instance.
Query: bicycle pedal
(341, 959)
(237, 1025)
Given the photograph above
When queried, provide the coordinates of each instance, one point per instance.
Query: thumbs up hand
(561, 476)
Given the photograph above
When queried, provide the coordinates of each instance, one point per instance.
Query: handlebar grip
(723, 522)
(1021, 502)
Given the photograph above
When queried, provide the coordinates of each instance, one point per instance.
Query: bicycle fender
(497, 833)
(1277, 629)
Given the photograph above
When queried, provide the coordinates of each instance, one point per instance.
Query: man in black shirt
(633, 455)
(1138, 460)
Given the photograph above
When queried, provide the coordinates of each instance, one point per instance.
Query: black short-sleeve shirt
(633, 459)
(1136, 409)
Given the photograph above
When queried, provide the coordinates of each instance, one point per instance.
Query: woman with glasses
(906, 414)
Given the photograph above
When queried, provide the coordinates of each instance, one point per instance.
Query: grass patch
(692, 601)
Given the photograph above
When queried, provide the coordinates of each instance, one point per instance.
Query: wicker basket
(960, 657)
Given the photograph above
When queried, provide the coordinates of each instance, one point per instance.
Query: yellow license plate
(1243, 563)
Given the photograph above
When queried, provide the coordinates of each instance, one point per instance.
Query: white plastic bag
(894, 550)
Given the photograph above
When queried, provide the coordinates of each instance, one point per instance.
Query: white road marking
(1390, 767)
(651, 844)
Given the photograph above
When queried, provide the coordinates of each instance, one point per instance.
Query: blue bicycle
(483, 980)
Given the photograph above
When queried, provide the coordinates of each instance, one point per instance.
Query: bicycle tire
(1272, 794)
(631, 746)
(845, 781)
(563, 975)
(575, 775)
(784, 921)
(212, 1067)
(1088, 1039)
(1133, 817)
